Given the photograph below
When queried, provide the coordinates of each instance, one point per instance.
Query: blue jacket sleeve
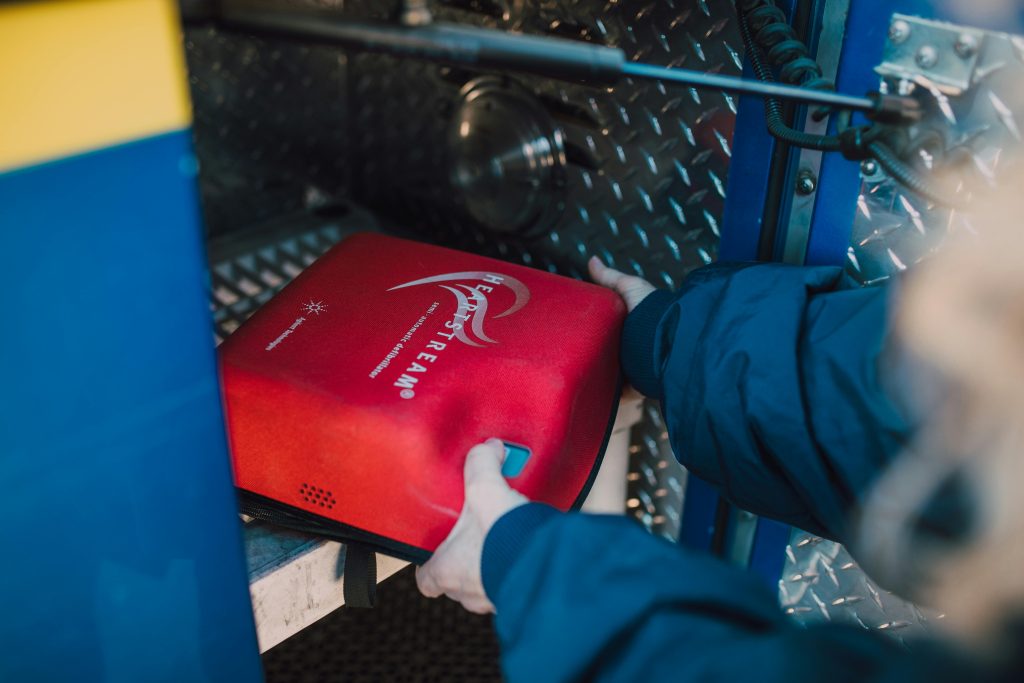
(768, 377)
(584, 597)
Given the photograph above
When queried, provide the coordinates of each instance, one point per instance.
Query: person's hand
(454, 570)
(631, 288)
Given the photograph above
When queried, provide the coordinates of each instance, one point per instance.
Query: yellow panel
(77, 75)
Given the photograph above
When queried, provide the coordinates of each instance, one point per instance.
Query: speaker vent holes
(318, 497)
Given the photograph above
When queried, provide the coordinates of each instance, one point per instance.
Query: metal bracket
(801, 212)
(944, 54)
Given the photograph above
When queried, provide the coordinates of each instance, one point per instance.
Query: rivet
(966, 45)
(927, 57)
(806, 183)
(899, 31)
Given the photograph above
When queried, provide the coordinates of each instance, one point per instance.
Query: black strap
(360, 580)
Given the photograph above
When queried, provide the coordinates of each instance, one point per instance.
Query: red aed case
(354, 395)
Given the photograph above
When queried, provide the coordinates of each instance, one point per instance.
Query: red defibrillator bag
(353, 396)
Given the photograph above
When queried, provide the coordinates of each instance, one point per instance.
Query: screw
(899, 31)
(415, 13)
(927, 57)
(869, 167)
(966, 45)
(806, 183)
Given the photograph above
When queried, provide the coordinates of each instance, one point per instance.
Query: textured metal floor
(405, 638)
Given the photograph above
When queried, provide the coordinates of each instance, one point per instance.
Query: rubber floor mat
(406, 638)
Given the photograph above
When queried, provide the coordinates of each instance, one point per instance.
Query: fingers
(602, 274)
(478, 605)
(473, 601)
(631, 288)
(427, 574)
(427, 582)
(631, 394)
(614, 279)
(450, 570)
(454, 569)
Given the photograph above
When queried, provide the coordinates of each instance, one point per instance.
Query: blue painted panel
(749, 171)
(122, 549)
(752, 150)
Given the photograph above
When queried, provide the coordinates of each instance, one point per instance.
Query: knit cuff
(506, 540)
(638, 342)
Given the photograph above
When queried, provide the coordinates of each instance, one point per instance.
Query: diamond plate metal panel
(821, 582)
(269, 126)
(656, 481)
(647, 164)
(971, 132)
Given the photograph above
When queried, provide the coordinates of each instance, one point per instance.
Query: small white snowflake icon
(314, 307)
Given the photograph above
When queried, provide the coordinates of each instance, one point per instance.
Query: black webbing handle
(360, 579)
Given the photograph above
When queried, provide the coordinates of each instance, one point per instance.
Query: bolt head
(899, 31)
(415, 13)
(806, 183)
(869, 167)
(966, 45)
(927, 57)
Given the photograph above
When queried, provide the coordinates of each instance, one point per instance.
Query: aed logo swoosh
(472, 303)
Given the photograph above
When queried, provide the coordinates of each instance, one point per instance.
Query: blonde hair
(960, 315)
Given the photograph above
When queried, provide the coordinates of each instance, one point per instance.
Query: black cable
(867, 142)
(905, 175)
(781, 158)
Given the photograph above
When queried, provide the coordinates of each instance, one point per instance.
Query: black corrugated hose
(907, 176)
(773, 108)
(772, 32)
(792, 57)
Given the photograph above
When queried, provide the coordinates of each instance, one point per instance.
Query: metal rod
(552, 57)
(699, 79)
(454, 44)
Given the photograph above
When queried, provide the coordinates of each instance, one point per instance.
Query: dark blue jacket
(769, 381)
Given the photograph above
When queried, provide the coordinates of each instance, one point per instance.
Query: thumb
(483, 463)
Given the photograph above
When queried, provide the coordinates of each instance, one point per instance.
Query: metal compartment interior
(290, 133)
(300, 143)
